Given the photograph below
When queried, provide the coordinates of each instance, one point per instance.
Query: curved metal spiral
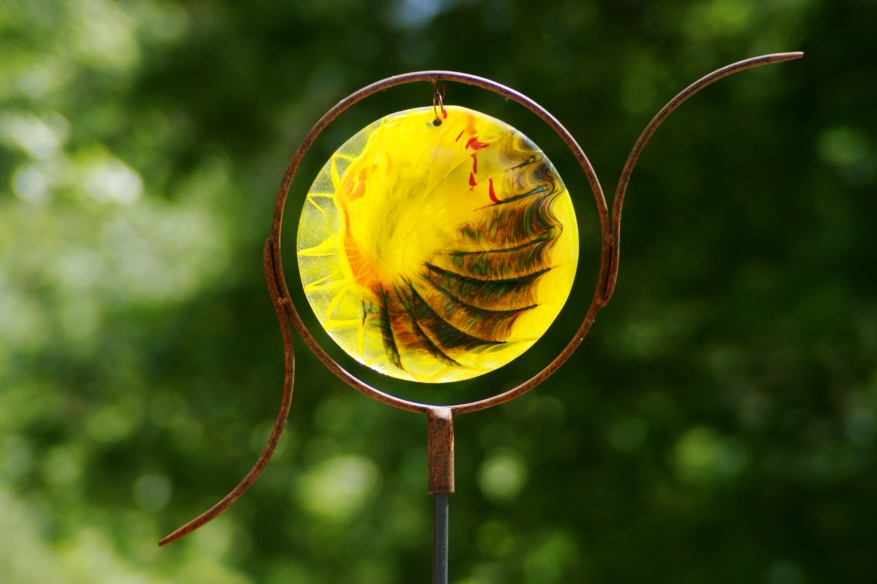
(610, 228)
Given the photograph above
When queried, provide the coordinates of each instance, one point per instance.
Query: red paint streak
(472, 183)
(444, 112)
(474, 144)
(458, 137)
(474, 163)
(492, 194)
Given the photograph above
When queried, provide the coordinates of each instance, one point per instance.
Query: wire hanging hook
(438, 97)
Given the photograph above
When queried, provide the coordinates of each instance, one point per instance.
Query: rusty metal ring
(436, 77)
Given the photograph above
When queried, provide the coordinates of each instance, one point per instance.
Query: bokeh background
(717, 425)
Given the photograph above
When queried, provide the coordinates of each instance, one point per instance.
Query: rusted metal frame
(436, 77)
(285, 403)
(440, 418)
(659, 118)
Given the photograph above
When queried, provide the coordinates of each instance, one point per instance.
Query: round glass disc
(437, 253)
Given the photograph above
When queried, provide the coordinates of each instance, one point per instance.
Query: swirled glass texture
(437, 253)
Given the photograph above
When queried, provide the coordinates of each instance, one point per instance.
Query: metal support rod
(440, 444)
(440, 539)
(440, 449)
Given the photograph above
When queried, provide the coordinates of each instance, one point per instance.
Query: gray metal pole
(440, 539)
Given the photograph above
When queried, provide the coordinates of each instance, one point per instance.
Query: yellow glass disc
(437, 253)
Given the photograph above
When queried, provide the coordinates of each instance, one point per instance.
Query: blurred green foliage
(718, 424)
